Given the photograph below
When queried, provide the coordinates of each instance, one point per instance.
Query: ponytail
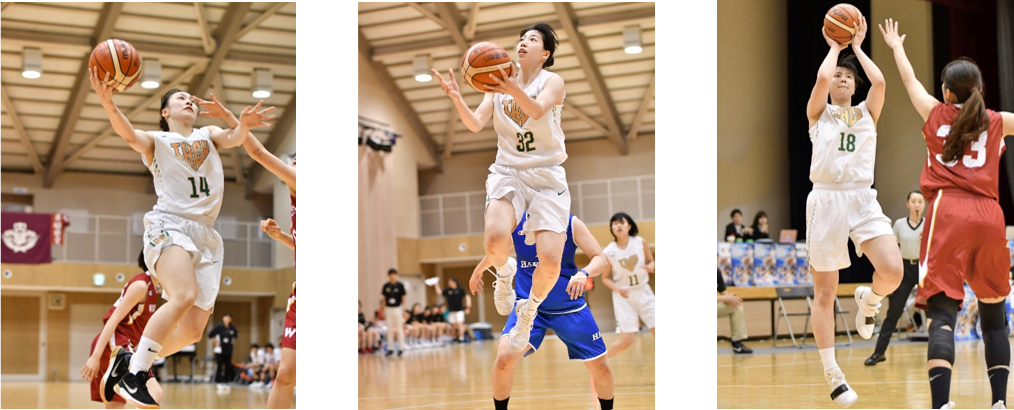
(970, 122)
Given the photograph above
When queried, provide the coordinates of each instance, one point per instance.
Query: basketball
(840, 22)
(120, 60)
(481, 62)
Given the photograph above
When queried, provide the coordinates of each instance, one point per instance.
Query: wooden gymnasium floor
(64, 395)
(792, 378)
(457, 377)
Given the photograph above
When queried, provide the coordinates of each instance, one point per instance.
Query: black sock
(998, 384)
(500, 404)
(940, 386)
(606, 404)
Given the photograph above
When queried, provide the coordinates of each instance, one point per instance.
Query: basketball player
(564, 311)
(630, 261)
(181, 247)
(908, 231)
(527, 174)
(121, 330)
(843, 203)
(965, 241)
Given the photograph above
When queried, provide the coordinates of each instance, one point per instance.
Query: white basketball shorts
(456, 317)
(639, 303)
(202, 242)
(835, 213)
(542, 191)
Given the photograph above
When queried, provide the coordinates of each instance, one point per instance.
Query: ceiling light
(421, 68)
(260, 82)
(632, 39)
(31, 65)
(152, 77)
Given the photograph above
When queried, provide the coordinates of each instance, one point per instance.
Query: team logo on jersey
(20, 238)
(849, 115)
(629, 263)
(192, 154)
(513, 111)
(526, 264)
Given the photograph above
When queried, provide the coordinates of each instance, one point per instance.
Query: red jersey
(132, 325)
(977, 171)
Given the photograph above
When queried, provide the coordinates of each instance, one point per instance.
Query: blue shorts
(577, 330)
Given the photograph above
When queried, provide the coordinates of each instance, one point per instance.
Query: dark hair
(963, 78)
(254, 345)
(453, 280)
(267, 345)
(734, 212)
(760, 214)
(913, 193)
(549, 40)
(619, 216)
(162, 123)
(851, 63)
(227, 314)
(140, 261)
(392, 270)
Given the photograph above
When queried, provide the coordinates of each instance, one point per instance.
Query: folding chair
(793, 293)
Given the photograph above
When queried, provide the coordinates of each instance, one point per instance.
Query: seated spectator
(270, 367)
(251, 367)
(367, 334)
(735, 231)
(732, 306)
(760, 229)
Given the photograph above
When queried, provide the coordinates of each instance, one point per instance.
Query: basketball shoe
(119, 364)
(523, 327)
(133, 387)
(866, 318)
(841, 392)
(503, 289)
(950, 405)
(998, 405)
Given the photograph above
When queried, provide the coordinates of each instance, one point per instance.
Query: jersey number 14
(204, 187)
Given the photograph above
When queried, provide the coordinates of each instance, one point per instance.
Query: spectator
(732, 306)
(252, 365)
(759, 229)
(367, 334)
(270, 367)
(224, 335)
(735, 231)
(455, 295)
(394, 297)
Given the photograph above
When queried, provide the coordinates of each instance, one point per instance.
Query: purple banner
(26, 238)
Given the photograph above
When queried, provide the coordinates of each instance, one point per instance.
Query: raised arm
(875, 98)
(474, 120)
(140, 141)
(818, 96)
(270, 227)
(134, 295)
(552, 94)
(921, 100)
(249, 119)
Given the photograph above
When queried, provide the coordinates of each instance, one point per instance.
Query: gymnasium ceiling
(610, 94)
(56, 124)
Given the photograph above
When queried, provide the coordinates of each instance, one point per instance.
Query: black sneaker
(876, 358)
(400, 352)
(133, 387)
(119, 364)
(389, 352)
(739, 348)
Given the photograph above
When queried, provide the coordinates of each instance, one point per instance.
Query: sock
(874, 298)
(504, 268)
(500, 404)
(534, 302)
(147, 351)
(998, 383)
(606, 404)
(827, 358)
(940, 386)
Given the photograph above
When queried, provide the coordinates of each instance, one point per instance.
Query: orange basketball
(841, 21)
(481, 62)
(120, 60)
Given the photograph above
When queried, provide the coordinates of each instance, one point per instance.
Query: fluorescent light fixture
(31, 65)
(152, 76)
(99, 279)
(421, 68)
(632, 39)
(261, 83)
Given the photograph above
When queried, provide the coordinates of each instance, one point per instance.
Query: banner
(26, 238)
(60, 223)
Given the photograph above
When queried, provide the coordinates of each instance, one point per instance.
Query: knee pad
(943, 314)
(992, 316)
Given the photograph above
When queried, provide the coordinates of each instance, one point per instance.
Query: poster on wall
(764, 264)
(725, 261)
(742, 264)
(26, 237)
(785, 264)
(968, 318)
(803, 274)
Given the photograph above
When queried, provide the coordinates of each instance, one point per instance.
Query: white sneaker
(998, 405)
(841, 392)
(866, 318)
(950, 405)
(503, 289)
(523, 327)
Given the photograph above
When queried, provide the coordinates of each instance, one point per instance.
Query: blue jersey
(558, 301)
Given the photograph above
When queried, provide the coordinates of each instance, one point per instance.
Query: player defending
(181, 247)
(630, 262)
(843, 203)
(564, 311)
(965, 239)
(121, 330)
(527, 173)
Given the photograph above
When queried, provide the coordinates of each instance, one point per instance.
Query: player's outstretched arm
(584, 239)
(875, 98)
(922, 100)
(140, 141)
(475, 282)
(474, 120)
(250, 118)
(552, 94)
(134, 296)
(270, 227)
(253, 147)
(818, 96)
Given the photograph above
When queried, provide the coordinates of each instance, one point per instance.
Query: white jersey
(844, 146)
(526, 142)
(188, 175)
(627, 264)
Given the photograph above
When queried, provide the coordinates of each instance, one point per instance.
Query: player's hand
(575, 288)
(625, 293)
(252, 118)
(468, 310)
(90, 369)
(860, 27)
(270, 227)
(890, 31)
(830, 41)
(650, 268)
(475, 282)
(214, 108)
(218, 349)
(508, 85)
(733, 300)
(449, 87)
(101, 87)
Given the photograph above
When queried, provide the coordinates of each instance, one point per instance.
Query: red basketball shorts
(289, 334)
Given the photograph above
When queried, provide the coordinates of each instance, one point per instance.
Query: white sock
(874, 298)
(504, 268)
(534, 302)
(827, 358)
(147, 351)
